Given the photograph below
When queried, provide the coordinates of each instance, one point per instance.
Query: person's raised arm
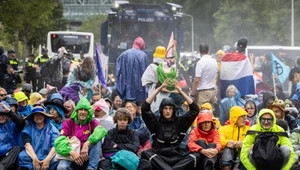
(185, 96)
(156, 91)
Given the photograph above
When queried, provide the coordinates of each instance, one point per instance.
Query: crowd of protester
(150, 118)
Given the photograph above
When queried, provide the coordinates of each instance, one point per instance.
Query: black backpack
(265, 152)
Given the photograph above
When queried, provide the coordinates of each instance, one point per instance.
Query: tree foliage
(31, 20)
(93, 24)
(262, 22)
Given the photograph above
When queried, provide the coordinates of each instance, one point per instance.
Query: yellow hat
(206, 106)
(20, 96)
(160, 52)
(220, 52)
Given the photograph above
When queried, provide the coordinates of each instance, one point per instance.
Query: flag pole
(274, 84)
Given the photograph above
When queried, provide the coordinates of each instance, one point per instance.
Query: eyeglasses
(3, 95)
(266, 119)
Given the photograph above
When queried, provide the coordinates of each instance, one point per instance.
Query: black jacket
(168, 134)
(126, 140)
(267, 95)
(11, 81)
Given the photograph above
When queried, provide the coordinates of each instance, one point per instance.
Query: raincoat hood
(255, 107)
(235, 112)
(83, 104)
(205, 117)
(261, 113)
(34, 97)
(12, 101)
(267, 95)
(166, 102)
(139, 43)
(206, 106)
(59, 110)
(279, 86)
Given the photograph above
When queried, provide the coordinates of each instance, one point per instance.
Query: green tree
(93, 24)
(262, 22)
(29, 21)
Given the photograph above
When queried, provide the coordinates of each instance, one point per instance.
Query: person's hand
(165, 83)
(4, 107)
(115, 146)
(251, 57)
(238, 144)
(213, 152)
(205, 152)
(230, 144)
(84, 153)
(178, 88)
(45, 163)
(78, 160)
(36, 164)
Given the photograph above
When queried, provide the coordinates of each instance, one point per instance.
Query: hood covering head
(261, 113)
(59, 110)
(255, 107)
(55, 99)
(206, 106)
(139, 43)
(166, 102)
(34, 97)
(83, 104)
(12, 101)
(205, 117)
(235, 112)
(101, 105)
(267, 95)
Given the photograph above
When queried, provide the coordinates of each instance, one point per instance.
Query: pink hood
(139, 43)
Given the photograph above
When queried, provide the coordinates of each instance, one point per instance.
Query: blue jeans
(94, 155)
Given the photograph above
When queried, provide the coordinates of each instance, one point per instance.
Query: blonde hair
(230, 88)
(3, 90)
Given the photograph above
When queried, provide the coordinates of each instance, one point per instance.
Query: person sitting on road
(11, 125)
(278, 107)
(24, 108)
(283, 158)
(54, 105)
(101, 113)
(121, 138)
(205, 139)
(232, 136)
(38, 137)
(168, 131)
(139, 126)
(84, 127)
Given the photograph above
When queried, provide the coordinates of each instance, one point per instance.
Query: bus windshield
(75, 43)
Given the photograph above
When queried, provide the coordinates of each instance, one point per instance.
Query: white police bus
(76, 42)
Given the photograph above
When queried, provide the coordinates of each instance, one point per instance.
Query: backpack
(265, 152)
(124, 159)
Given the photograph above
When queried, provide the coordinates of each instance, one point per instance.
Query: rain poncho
(130, 66)
(88, 84)
(42, 140)
(60, 111)
(162, 75)
(227, 103)
(297, 94)
(250, 139)
(87, 130)
(139, 126)
(232, 131)
(8, 137)
(24, 111)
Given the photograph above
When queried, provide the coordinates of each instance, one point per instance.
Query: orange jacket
(211, 136)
